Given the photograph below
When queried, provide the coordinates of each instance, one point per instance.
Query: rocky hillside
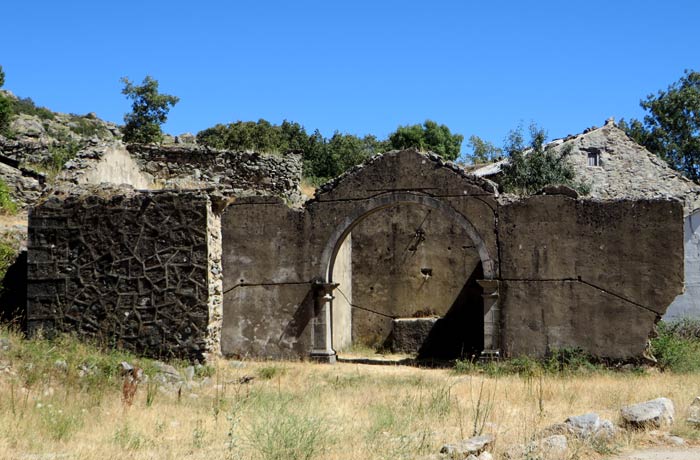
(40, 142)
(36, 133)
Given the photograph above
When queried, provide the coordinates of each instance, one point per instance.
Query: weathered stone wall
(626, 169)
(191, 167)
(124, 268)
(268, 305)
(392, 249)
(115, 166)
(587, 274)
(25, 185)
(273, 254)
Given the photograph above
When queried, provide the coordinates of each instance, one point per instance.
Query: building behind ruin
(228, 260)
(616, 167)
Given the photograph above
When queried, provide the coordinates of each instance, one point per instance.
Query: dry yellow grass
(347, 411)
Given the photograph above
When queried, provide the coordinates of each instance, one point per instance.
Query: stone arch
(380, 202)
(322, 330)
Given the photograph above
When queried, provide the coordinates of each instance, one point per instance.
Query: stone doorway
(405, 276)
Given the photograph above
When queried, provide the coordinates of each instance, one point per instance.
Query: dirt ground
(662, 454)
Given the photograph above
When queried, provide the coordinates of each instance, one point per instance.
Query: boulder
(694, 412)
(656, 413)
(471, 446)
(556, 444)
(590, 425)
(551, 447)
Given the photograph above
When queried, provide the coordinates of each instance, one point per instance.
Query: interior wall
(407, 261)
(342, 310)
(117, 167)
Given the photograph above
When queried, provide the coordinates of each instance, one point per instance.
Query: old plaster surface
(569, 272)
(410, 261)
(269, 304)
(627, 170)
(586, 273)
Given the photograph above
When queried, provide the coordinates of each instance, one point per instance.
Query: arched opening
(405, 269)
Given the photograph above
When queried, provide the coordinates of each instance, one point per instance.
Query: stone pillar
(492, 320)
(322, 350)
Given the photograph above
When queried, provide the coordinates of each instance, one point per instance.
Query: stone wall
(626, 169)
(408, 261)
(268, 303)
(587, 274)
(274, 255)
(191, 167)
(570, 273)
(25, 185)
(124, 268)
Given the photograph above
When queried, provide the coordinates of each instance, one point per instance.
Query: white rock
(655, 413)
(473, 445)
(694, 412)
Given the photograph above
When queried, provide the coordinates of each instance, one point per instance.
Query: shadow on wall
(301, 318)
(13, 297)
(460, 333)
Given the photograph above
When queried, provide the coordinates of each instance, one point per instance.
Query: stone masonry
(123, 268)
(557, 271)
(157, 272)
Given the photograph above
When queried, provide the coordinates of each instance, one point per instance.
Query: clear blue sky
(359, 67)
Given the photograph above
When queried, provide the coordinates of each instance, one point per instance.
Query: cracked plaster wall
(578, 273)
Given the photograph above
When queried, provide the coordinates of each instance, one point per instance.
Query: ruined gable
(617, 167)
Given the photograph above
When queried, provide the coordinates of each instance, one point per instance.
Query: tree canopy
(325, 158)
(149, 111)
(482, 151)
(429, 136)
(671, 128)
(532, 166)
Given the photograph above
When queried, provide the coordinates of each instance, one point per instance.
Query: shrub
(5, 114)
(269, 372)
(7, 206)
(27, 106)
(286, 434)
(534, 166)
(88, 128)
(677, 347)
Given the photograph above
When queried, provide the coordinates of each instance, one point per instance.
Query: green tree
(671, 128)
(482, 151)
(429, 136)
(149, 111)
(328, 158)
(5, 107)
(532, 166)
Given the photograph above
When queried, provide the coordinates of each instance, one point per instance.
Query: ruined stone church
(216, 252)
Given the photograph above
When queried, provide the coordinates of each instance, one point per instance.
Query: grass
(7, 206)
(65, 397)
